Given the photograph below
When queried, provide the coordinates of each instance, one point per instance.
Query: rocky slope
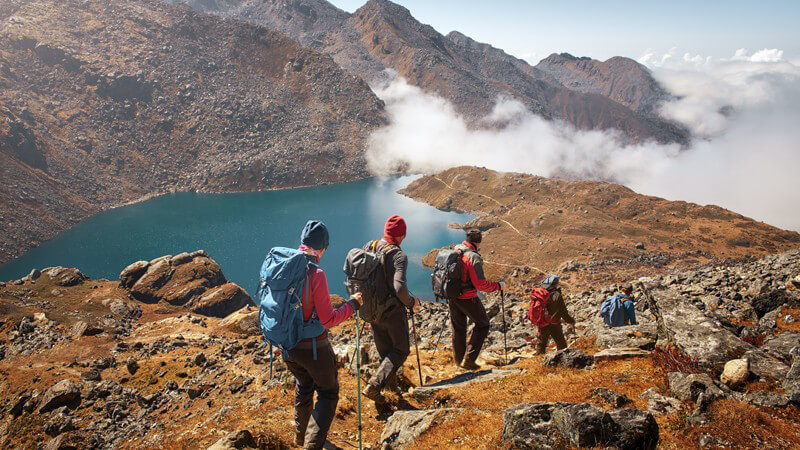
(470, 74)
(104, 102)
(591, 232)
(86, 363)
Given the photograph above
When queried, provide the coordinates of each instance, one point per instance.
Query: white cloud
(745, 111)
(764, 55)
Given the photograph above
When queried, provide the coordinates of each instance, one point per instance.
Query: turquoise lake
(237, 231)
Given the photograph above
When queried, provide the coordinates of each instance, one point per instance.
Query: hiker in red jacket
(469, 305)
(316, 372)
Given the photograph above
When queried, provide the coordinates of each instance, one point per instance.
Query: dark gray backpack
(447, 272)
(365, 272)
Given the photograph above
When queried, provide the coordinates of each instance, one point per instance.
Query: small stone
(569, 358)
(735, 373)
(91, 375)
(612, 398)
(199, 360)
(639, 246)
(132, 366)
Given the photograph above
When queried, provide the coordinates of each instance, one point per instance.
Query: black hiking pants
(460, 310)
(392, 343)
(551, 331)
(310, 376)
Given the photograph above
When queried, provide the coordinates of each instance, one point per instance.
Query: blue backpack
(283, 275)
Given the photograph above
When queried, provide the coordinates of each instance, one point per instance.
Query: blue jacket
(611, 310)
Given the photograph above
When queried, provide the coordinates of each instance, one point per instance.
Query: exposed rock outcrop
(192, 279)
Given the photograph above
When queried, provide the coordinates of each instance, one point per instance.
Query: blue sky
(601, 29)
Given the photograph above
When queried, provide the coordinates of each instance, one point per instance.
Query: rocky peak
(621, 79)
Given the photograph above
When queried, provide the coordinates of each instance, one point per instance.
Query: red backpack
(537, 313)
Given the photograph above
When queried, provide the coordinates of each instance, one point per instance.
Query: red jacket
(320, 300)
(473, 272)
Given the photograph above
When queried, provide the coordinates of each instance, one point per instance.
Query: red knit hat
(395, 227)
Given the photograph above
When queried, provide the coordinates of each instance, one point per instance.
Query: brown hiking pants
(312, 422)
(392, 343)
(551, 331)
(460, 310)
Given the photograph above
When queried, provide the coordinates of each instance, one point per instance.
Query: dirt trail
(485, 196)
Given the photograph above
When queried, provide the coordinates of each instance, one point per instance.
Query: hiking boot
(470, 365)
(374, 394)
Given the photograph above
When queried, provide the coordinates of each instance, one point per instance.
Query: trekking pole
(358, 336)
(416, 346)
(441, 332)
(503, 312)
(358, 378)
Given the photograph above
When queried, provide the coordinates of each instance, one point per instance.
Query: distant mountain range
(619, 93)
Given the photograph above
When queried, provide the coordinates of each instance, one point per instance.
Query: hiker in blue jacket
(619, 309)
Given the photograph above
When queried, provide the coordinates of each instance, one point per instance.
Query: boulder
(235, 440)
(780, 346)
(146, 288)
(131, 274)
(177, 284)
(221, 301)
(63, 276)
(404, 427)
(34, 275)
(635, 429)
(529, 425)
(125, 309)
(582, 424)
(688, 387)
(735, 373)
(765, 366)
(243, 321)
(569, 358)
(63, 393)
(620, 353)
(791, 384)
(681, 324)
(560, 425)
(641, 336)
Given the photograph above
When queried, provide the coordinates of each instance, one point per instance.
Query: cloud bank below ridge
(742, 111)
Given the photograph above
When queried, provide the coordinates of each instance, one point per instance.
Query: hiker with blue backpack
(619, 309)
(547, 310)
(295, 314)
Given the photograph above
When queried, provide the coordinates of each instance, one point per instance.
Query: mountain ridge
(382, 34)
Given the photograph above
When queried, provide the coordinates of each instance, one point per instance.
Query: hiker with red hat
(390, 330)
(468, 305)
